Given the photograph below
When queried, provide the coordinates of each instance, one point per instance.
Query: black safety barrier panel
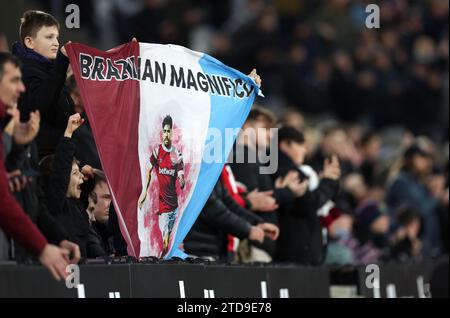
(184, 280)
(385, 280)
(397, 280)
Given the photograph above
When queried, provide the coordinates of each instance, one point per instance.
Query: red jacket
(230, 183)
(13, 219)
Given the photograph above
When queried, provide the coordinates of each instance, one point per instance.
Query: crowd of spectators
(316, 56)
(362, 139)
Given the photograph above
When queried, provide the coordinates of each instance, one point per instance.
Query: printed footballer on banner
(166, 162)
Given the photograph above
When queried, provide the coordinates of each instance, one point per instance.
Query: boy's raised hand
(63, 48)
(75, 121)
(256, 77)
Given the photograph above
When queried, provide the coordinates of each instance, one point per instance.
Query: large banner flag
(156, 112)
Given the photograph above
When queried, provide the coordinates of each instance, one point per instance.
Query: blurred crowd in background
(316, 56)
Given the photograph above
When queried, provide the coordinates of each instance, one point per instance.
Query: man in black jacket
(300, 238)
(220, 216)
(249, 173)
(44, 74)
(98, 207)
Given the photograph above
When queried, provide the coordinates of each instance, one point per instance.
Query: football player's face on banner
(167, 136)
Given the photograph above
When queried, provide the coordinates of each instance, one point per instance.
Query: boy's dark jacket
(45, 91)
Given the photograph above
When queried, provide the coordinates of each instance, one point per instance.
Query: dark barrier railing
(178, 279)
(385, 280)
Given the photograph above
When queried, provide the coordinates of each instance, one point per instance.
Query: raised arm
(60, 178)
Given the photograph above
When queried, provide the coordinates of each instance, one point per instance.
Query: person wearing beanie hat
(367, 214)
(303, 238)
